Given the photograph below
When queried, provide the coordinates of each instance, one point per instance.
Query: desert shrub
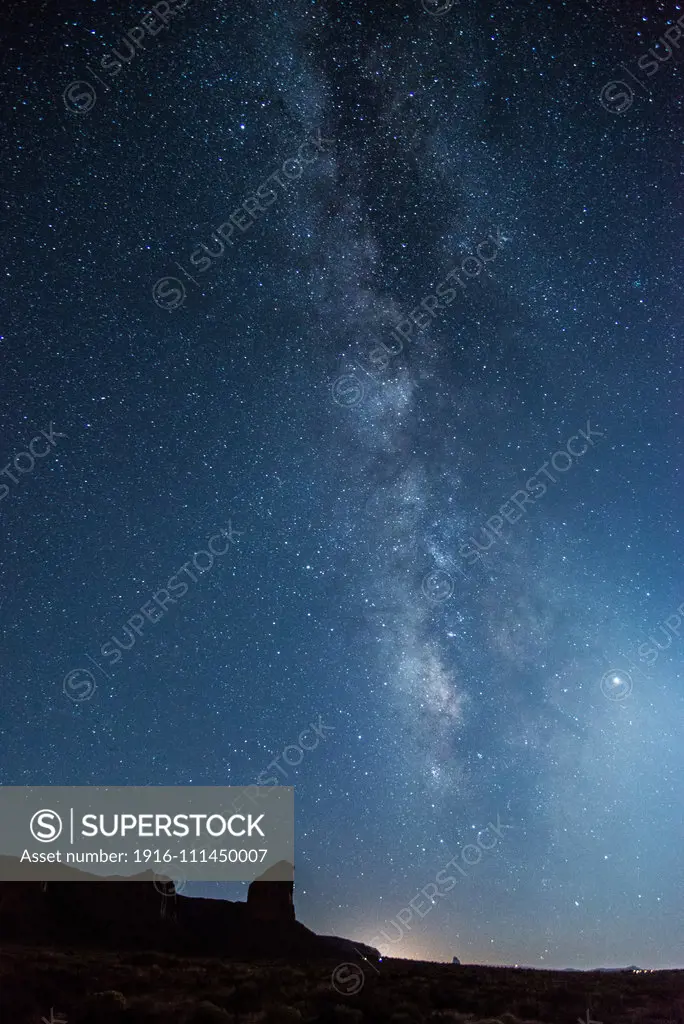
(283, 1015)
(496, 1004)
(247, 997)
(19, 1002)
(207, 1013)
(448, 1017)
(527, 1008)
(224, 997)
(241, 972)
(464, 1001)
(336, 1013)
(148, 1010)
(286, 979)
(406, 1013)
(103, 1006)
(323, 994)
(446, 996)
(417, 991)
(293, 974)
(141, 958)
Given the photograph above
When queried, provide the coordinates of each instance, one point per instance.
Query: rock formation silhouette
(269, 900)
(97, 912)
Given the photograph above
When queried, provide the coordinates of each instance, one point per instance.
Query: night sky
(448, 507)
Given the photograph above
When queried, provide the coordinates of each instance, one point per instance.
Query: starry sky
(309, 384)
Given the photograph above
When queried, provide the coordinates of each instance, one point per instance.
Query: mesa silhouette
(98, 912)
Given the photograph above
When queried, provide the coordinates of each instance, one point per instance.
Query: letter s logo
(46, 826)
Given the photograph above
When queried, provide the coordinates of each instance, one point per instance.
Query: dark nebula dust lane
(390, 298)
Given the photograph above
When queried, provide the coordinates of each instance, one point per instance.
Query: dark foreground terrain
(104, 987)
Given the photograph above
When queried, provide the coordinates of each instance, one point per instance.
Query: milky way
(393, 294)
